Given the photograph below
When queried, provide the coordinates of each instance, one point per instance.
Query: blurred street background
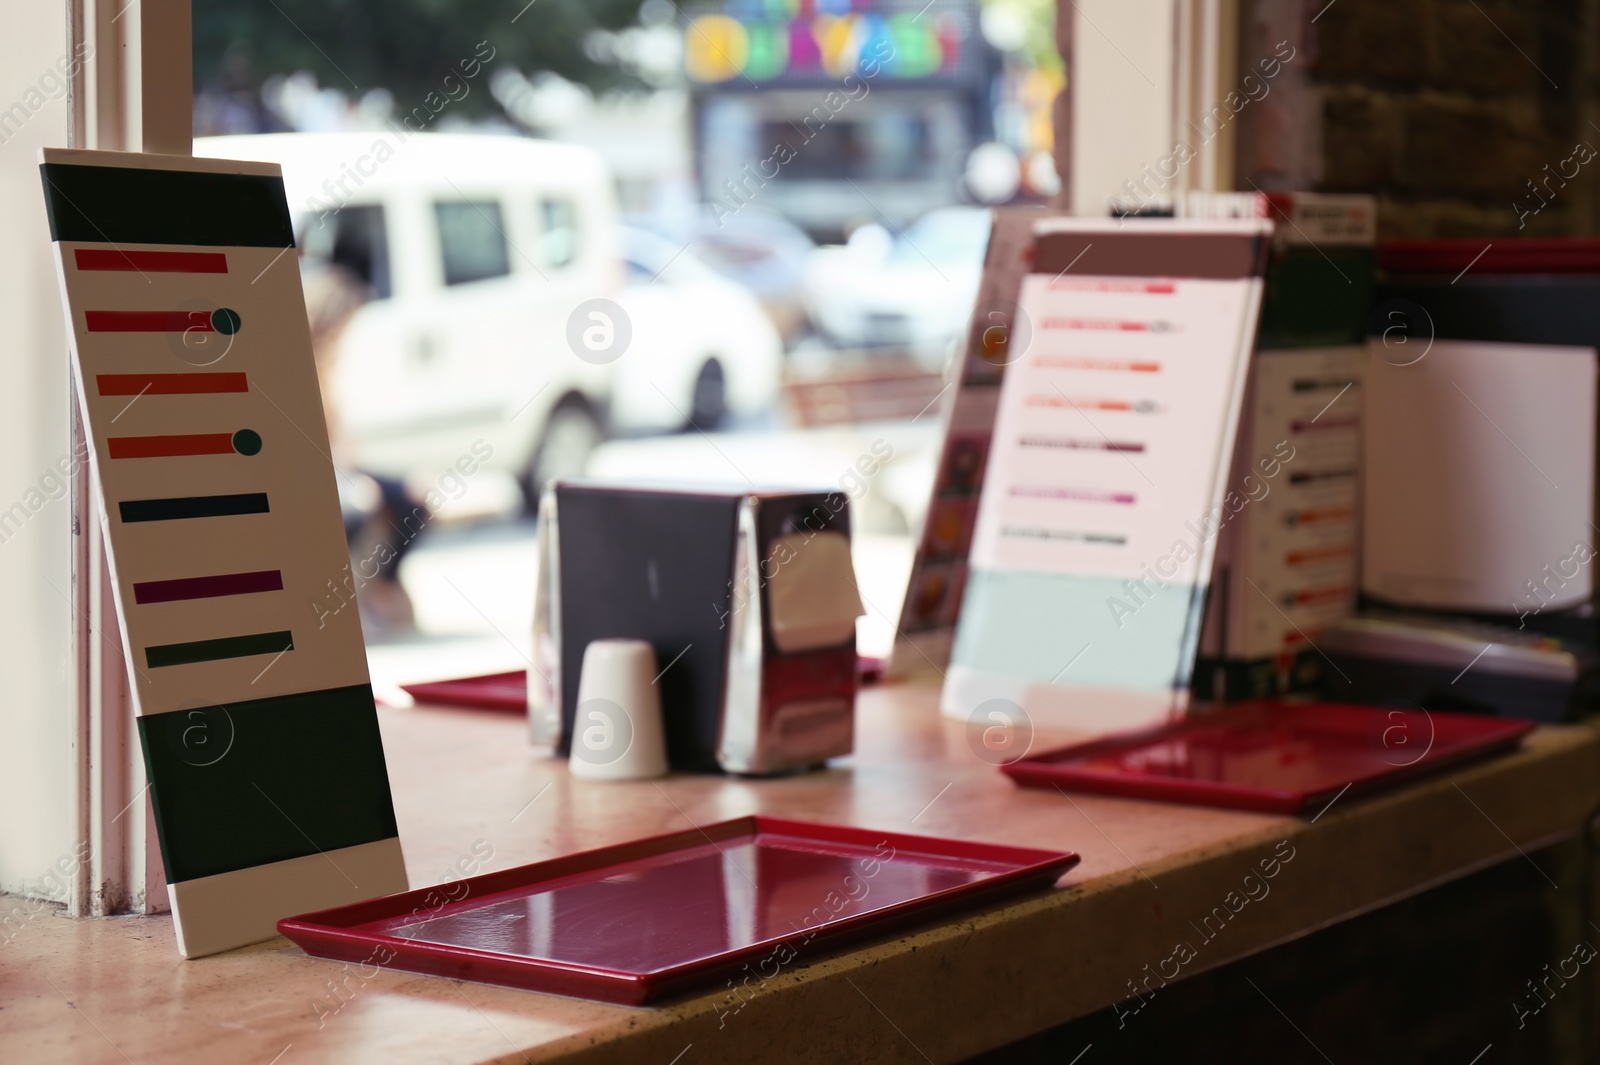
(732, 242)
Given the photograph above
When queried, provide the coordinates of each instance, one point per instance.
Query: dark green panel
(249, 783)
(1316, 297)
(131, 205)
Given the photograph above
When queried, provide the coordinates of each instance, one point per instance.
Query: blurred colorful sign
(809, 40)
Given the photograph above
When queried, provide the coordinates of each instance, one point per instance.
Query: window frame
(134, 91)
(129, 87)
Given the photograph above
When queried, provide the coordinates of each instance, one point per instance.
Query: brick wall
(1445, 109)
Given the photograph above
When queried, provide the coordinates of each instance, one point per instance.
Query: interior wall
(1461, 117)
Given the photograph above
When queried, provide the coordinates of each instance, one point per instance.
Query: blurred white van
(476, 251)
(704, 350)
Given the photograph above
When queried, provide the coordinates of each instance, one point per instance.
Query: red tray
(497, 691)
(509, 691)
(1269, 756)
(637, 921)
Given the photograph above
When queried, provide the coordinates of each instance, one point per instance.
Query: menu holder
(939, 571)
(194, 373)
(1107, 475)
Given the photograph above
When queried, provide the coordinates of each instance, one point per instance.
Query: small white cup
(617, 732)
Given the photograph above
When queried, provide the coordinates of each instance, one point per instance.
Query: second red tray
(634, 922)
(1268, 756)
(509, 691)
(497, 691)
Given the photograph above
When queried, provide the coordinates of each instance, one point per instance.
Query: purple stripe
(267, 580)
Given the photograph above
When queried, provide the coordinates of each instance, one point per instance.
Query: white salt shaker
(617, 732)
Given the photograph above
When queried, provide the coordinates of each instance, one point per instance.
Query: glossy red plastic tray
(634, 922)
(509, 691)
(1269, 756)
(497, 691)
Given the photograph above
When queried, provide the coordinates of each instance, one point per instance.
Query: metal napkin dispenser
(748, 598)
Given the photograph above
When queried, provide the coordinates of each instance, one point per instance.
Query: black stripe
(193, 507)
(128, 205)
(183, 654)
(251, 783)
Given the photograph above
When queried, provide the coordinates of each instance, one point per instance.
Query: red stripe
(169, 384)
(148, 321)
(267, 580)
(151, 447)
(1294, 558)
(152, 262)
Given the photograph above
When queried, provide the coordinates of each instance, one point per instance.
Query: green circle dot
(247, 442)
(226, 321)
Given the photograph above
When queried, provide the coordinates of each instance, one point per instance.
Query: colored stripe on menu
(1309, 477)
(1316, 515)
(1039, 533)
(1298, 426)
(212, 587)
(1081, 445)
(1104, 324)
(1079, 494)
(177, 509)
(1333, 594)
(152, 447)
(243, 442)
(169, 384)
(1316, 384)
(1140, 406)
(221, 320)
(1311, 556)
(183, 654)
(1063, 363)
(151, 262)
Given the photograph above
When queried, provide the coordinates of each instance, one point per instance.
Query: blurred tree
(404, 46)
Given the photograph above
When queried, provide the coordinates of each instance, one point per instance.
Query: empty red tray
(636, 921)
(497, 691)
(1270, 756)
(509, 691)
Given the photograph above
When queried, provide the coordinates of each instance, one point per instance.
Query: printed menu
(1106, 475)
(210, 456)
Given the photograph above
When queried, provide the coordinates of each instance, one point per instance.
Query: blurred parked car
(475, 252)
(702, 348)
(912, 291)
(759, 249)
